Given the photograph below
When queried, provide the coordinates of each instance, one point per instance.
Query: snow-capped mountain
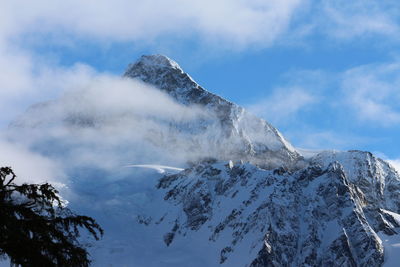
(254, 139)
(245, 196)
(330, 213)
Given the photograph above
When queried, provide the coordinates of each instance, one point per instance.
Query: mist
(104, 124)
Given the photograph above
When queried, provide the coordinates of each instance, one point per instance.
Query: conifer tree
(36, 229)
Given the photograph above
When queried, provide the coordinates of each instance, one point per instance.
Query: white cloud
(353, 19)
(396, 164)
(29, 167)
(328, 110)
(27, 77)
(283, 103)
(108, 122)
(233, 21)
(372, 91)
(228, 24)
(366, 94)
(309, 138)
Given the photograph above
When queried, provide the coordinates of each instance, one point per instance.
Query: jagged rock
(317, 216)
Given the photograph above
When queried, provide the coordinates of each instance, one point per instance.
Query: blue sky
(327, 75)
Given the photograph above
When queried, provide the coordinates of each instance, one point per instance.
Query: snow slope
(158, 168)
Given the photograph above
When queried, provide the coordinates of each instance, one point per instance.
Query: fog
(104, 124)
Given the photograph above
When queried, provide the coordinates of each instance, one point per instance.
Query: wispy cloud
(319, 109)
(396, 164)
(29, 166)
(366, 93)
(110, 121)
(228, 24)
(26, 76)
(231, 21)
(283, 104)
(372, 92)
(348, 20)
(311, 138)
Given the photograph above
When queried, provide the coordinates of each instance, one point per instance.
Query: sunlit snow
(158, 168)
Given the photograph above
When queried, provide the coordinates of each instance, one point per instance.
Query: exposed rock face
(327, 214)
(375, 178)
(254, 139)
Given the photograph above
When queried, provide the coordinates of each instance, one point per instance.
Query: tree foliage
(36, 229)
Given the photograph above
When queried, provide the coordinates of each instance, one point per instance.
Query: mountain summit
(166, 75)
(255, 139)
(152, 61)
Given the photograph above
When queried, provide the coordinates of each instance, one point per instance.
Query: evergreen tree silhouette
(36, 229)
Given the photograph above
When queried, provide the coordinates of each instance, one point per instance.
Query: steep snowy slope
(377, 180)
(317, 216)
(214, 186)
(236, 214)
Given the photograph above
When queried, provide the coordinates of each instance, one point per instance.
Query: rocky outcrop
(322, 215)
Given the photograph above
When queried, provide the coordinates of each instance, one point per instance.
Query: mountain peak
(156, 61)
(236, 124)
(165, 74)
